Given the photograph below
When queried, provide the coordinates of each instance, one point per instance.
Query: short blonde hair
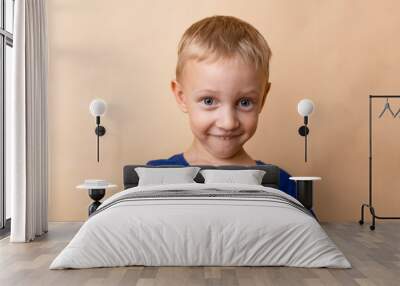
(223, 37)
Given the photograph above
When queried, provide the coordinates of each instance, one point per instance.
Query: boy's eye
(208, 100)
(245, 102)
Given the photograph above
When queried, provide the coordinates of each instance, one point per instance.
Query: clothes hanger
(398, 111)
(387, 106)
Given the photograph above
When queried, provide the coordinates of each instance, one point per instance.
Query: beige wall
(333, 52)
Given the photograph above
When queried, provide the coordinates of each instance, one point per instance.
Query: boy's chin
(225, 149)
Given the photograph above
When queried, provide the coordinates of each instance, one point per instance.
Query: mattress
(201, 225)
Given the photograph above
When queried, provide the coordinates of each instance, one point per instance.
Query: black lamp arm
(303, 131)
(100, 131)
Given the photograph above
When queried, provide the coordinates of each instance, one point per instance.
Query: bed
(201, 223)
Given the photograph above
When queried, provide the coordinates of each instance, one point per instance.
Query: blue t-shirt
(285, 185)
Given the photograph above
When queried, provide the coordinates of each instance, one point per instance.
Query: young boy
(222, 84)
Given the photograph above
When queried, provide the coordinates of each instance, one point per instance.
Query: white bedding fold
(179, 231)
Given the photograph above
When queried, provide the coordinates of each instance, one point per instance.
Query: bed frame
(270, 179)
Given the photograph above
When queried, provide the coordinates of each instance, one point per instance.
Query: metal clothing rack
(369, 205)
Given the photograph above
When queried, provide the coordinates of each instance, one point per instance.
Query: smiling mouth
(225, 137)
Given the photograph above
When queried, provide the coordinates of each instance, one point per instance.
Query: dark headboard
(270, 179)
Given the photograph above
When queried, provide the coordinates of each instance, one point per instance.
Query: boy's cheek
(196, 112)
(199, 120)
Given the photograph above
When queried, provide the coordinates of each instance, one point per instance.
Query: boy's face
(223, 99)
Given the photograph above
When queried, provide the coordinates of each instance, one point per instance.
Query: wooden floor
(375, 257)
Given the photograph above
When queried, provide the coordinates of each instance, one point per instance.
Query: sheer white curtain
(27, 123)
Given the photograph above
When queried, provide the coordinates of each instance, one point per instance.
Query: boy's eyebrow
(255, 91)
(205, 90)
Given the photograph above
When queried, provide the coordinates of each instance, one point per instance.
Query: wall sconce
(305, 107)
(97, 108)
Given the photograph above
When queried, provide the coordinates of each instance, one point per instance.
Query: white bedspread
(182, 231)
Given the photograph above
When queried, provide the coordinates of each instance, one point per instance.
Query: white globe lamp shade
(305, 107)
(98, 107)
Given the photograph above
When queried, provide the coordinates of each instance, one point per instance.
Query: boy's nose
(227, 120)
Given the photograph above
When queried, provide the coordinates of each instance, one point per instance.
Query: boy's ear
(267, 87)
(179, 96)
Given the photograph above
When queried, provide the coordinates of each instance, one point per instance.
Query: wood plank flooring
(375, 257)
